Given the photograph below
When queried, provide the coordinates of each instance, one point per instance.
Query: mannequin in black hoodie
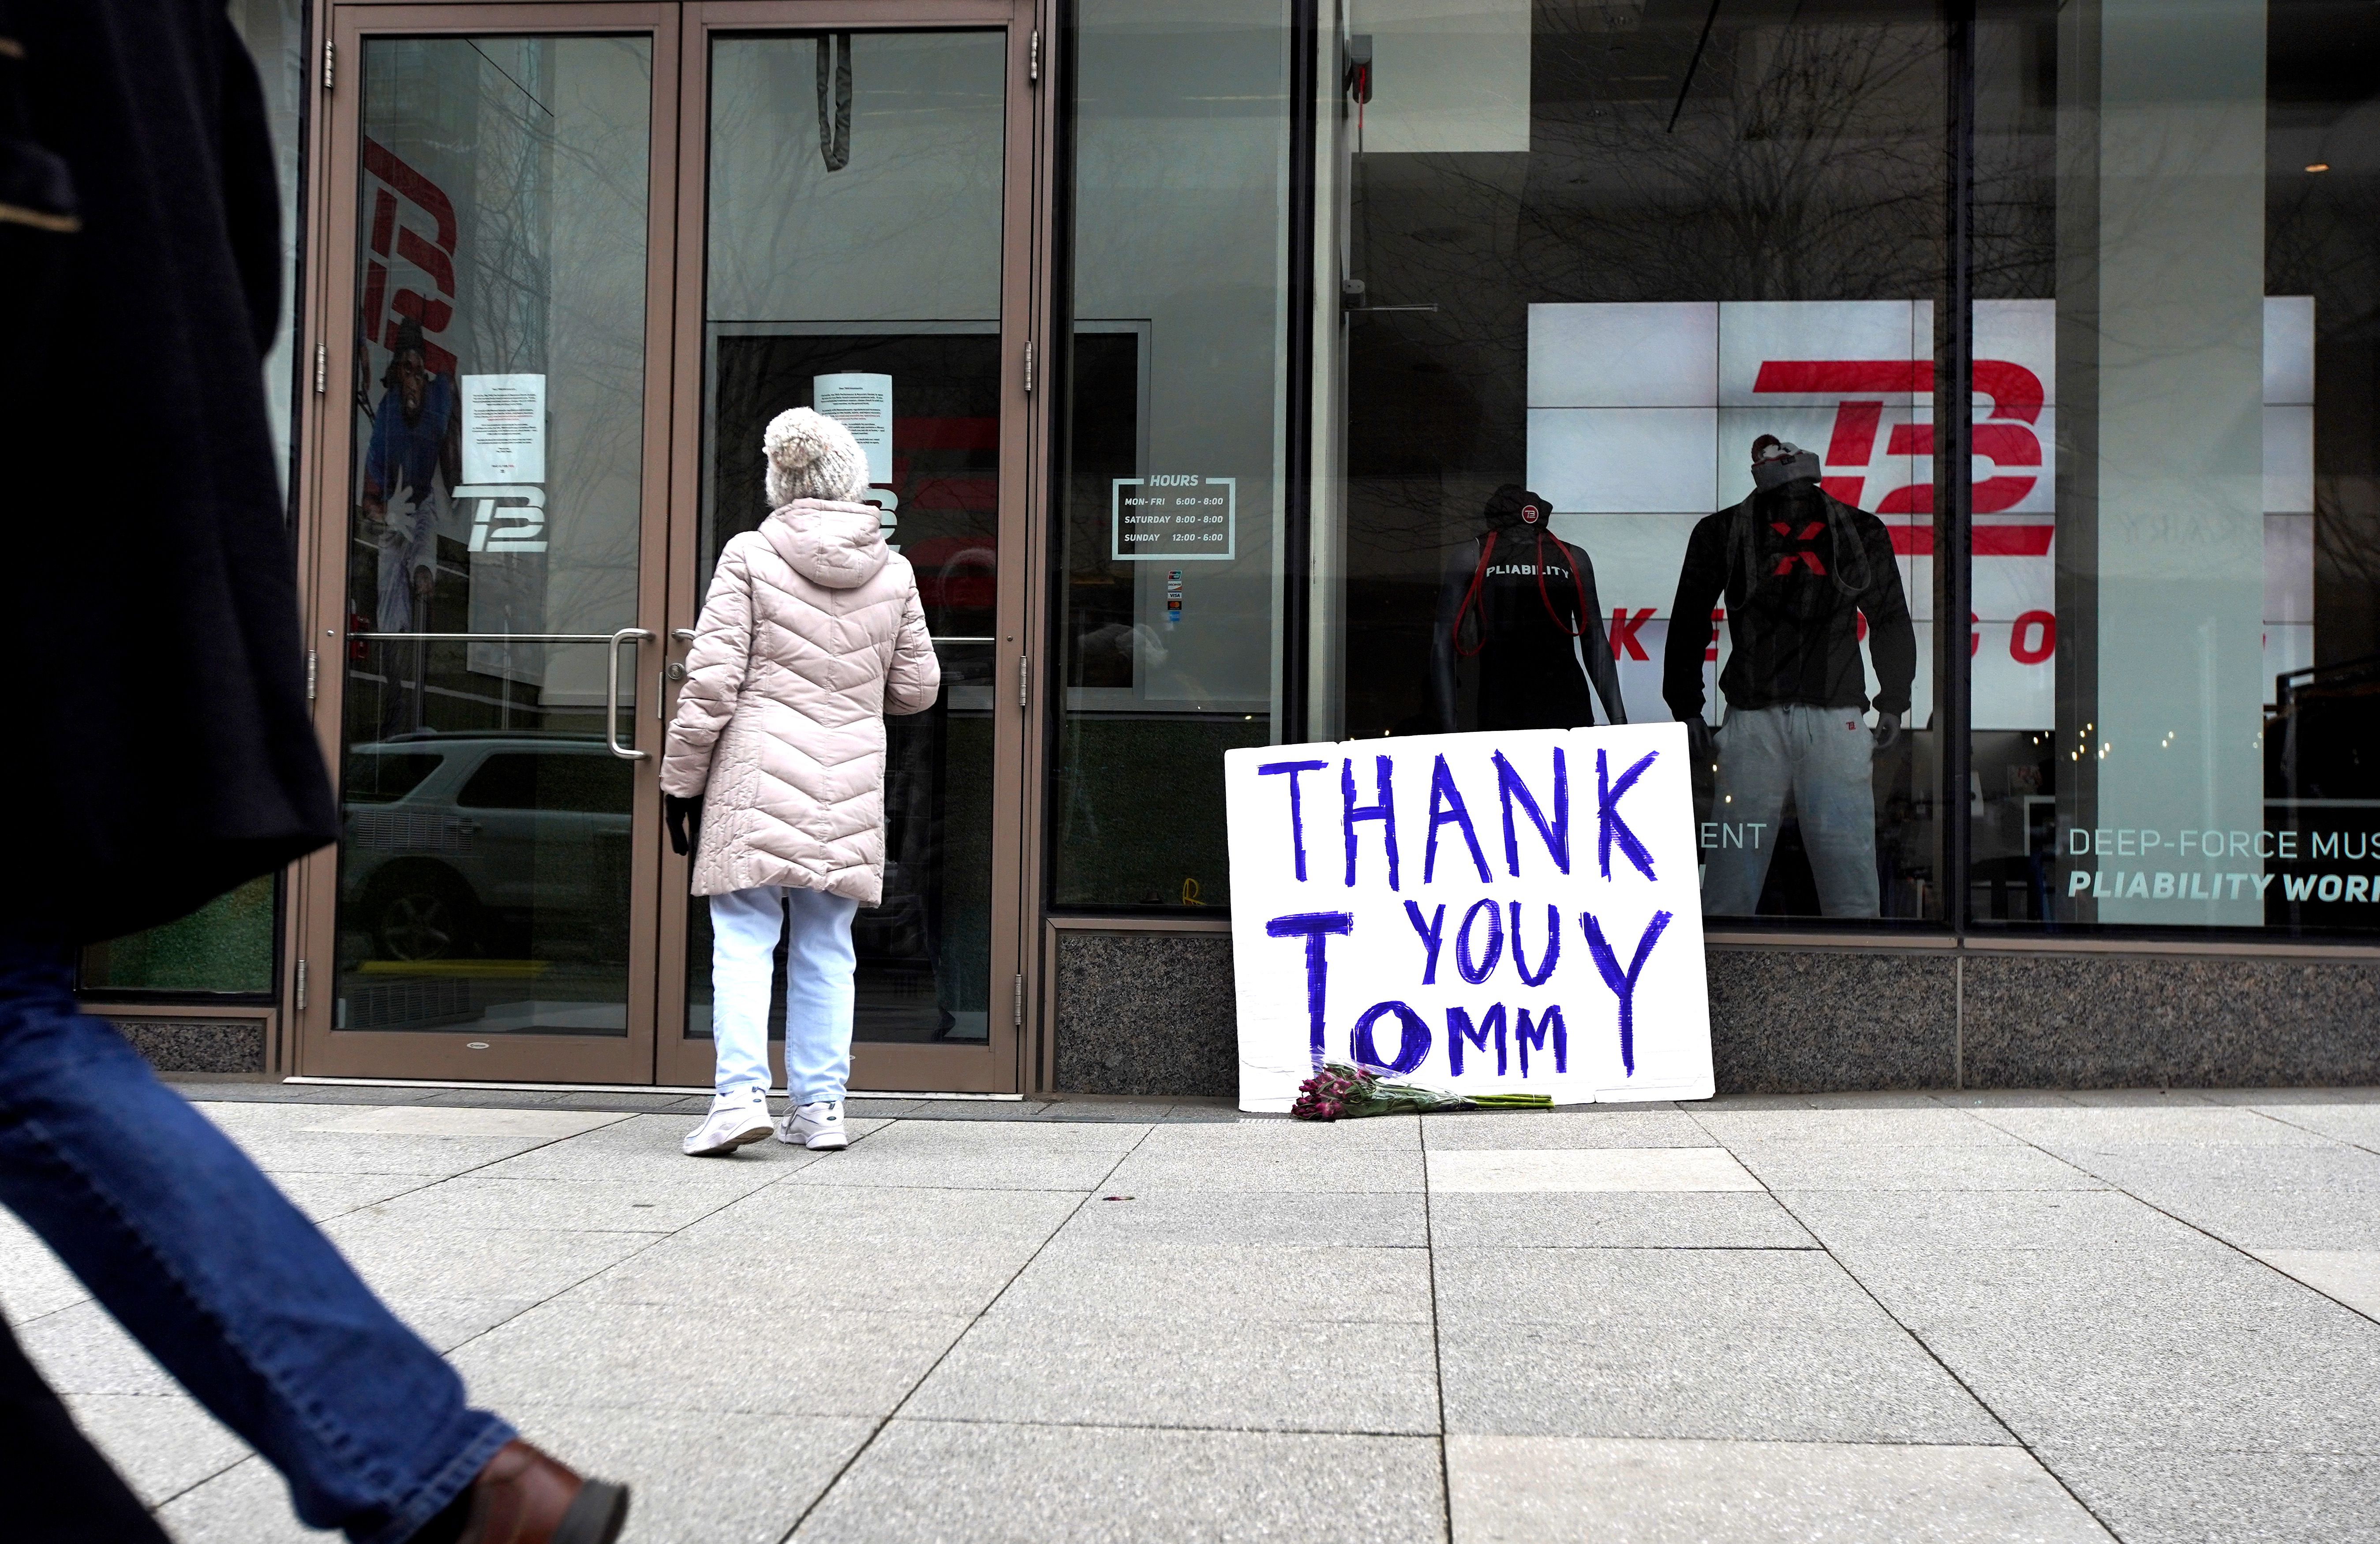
(1522, 600)
(1798, 568)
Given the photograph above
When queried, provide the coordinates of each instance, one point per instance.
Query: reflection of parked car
(461, 843)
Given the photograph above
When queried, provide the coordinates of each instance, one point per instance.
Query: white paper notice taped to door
(862, 403)
(503, 429)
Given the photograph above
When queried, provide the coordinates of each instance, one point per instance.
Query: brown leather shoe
(525, 1497)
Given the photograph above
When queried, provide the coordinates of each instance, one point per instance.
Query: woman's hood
(828, 541)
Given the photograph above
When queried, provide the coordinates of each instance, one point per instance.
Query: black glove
(1888, 731)
(685, 820)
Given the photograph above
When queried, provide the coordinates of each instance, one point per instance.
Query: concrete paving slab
(1379, 1220)
(1945, 1225)
(1925, 1125)
(446, 1323)
(1586, 1168)
(645, 1204)
(865, 1215)
(1207, 1372)
(2144, 1099)
(1617, 1220)
(2358, 1123)
(639, 1146)
(1654, 1125)
(1544, 1489)
(82, 1350)
(1270, 1134)
(925, 1481)
(2259, 1098)
(1658, 1379)
(304, 1152)
(2256, 1195)
(1260, 1166)
(972, 1166)
(422, 1259)
(322, 1196)
(246, 1503)
(2181, 1495)
(2082, 1127)
(819, 1270)
(977, 1110)
(1083, 1278)
(1590, 1288)
(1871, 1166)
(162, 1444)
(2348, 1276)
(727, 1358)
(694, 1479)
(33, 1282)
(544, 1126)
(911, 1135)
(861, 1105)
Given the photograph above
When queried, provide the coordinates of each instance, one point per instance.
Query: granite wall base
(1151, 1012)
(2203, 1021)
(219, 1045)
(1145, 1013)
(1810, 1021)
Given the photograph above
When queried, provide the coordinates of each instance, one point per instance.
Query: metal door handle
(612, 692)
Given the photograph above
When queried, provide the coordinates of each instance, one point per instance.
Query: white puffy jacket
(812, 632)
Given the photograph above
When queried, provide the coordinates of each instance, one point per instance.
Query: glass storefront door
(573, 271)
(491, 535)
(861, 253)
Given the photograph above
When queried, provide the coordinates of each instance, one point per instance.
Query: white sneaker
(727, 1128)
(817, 1126)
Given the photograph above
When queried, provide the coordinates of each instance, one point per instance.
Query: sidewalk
(1887, 1318)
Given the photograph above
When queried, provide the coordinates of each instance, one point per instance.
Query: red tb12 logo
(2006, 436)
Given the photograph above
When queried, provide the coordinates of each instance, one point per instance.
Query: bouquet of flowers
(1338, 1093)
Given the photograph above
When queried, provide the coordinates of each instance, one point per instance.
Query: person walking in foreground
(160, 751)
(773, 774)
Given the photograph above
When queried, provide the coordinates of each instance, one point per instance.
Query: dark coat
(1798, 569)
(158, 745)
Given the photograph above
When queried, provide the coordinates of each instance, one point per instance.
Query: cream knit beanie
(812, 456)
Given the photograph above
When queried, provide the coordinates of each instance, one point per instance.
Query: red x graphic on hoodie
(1809, 534)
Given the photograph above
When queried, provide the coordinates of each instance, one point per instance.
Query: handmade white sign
(1492, 913)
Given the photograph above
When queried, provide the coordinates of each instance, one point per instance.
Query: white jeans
(818, 967)
(1823, 756)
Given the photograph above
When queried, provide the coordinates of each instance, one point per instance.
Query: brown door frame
(999, 1065)
(329, 298)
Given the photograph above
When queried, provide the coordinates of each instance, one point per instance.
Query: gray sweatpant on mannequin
(1821, 756)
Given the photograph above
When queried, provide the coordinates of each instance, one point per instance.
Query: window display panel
(1172, 435)
(1640, 331)
(2173, 630)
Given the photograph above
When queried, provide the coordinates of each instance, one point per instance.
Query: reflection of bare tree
(544, 143)
(2318, 242)
(1806, 161)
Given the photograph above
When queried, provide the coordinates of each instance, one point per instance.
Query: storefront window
(227, 945)
(1598, 260)
(2174, 634)
(1172, 494)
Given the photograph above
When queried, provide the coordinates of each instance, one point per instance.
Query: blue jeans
(1822, 756)
(196, 1253)
(819, 993)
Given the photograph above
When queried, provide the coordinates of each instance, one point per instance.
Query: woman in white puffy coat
(774, 773)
